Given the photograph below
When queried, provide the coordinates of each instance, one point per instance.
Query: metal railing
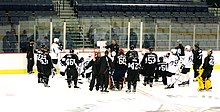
(142, 34)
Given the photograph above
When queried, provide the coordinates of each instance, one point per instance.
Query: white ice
(22, 93)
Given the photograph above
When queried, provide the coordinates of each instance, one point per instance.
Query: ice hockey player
(197, 59)
(71, 62)
(47, 67)
(186, 65)
(180, 49)
(55, 52)
(86, 73)
(94, 63)
(149, 64)
(173, 68)
(161, 70)
(120, 69)
(207, 67)
(131, 53)
(40, 55)
(106, 69)
(114, 47)
(132, 73)
(30, 57)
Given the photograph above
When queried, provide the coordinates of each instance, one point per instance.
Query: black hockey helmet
(161, 59)
(46, 50)
(151, 49)
(71, 50)
(42, 46)
(132, 47)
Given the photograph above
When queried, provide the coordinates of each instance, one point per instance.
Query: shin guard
(208, 84)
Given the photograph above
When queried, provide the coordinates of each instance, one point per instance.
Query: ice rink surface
(22, 93)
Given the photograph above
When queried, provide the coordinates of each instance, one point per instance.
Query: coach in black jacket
(106, 68)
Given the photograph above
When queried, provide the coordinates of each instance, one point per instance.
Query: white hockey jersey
(173, 61)
(55, 51)
(85, 63)
(188, 59)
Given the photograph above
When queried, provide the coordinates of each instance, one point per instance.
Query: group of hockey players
(116, 67)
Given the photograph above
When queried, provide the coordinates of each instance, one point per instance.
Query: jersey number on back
(70, 61)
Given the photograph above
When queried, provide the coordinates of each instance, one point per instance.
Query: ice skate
(76, 87)
(181, 84)
(170, 86)
(134, 90)
(128, 90)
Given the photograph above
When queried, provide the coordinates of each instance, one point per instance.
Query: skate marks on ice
(83, 108)
(182, 101)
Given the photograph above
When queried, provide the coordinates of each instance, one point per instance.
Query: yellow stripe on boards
(24, 71)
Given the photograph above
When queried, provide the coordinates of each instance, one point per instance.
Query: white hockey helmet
(173, 51)
(56, 40)
(113, 53)
(188, 47)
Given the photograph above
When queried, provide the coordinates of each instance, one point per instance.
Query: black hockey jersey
(197, 56)
(208, 62)
(113, 48)
(95, 65)
(162, 66)
(131, 54)
(39, 55)
(120, 62)
(46, 62)
(180, 50)
(149, 61)
(133, 65)
(70, 60)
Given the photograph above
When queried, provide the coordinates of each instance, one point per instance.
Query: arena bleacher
(162, 19)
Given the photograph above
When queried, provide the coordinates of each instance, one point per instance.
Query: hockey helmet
(188, 47)
(161, 59)
(42, 46)
(132, 47)
(151, 49)
(56, 40)
(173, 51)
(46, 50)
(121, 51)
(113, 53)
(71, 50)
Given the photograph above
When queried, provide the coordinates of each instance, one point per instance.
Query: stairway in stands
(68, 15)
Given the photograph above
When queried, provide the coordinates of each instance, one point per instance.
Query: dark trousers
(104, 79)
(195, 68)
(206, 74)
(132, 79)
(46, 74)
(30, 64)
(39, 69)
(149, 76)
(95, 78)
(72, 74)
(163, 74)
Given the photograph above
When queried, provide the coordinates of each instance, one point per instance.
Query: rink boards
(16, 63)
